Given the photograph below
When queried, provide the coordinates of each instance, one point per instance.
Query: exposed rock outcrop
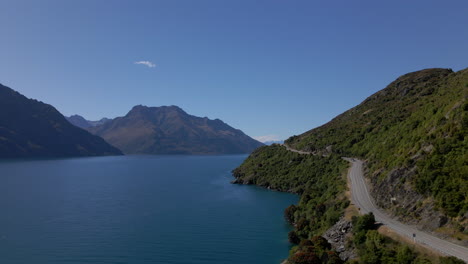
(337, 236)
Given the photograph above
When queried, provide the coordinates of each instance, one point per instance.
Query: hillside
(412, 135)
(170, 130)
(29, 128)
(318, 180)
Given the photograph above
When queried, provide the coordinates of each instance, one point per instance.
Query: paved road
(361, 198)
(295, 150)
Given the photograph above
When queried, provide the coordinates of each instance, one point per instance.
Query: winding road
(360, 196)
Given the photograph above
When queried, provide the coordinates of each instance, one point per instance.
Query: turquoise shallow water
(138, 209)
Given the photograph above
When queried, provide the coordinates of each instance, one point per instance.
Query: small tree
(293, 237)
(405, 255)
(333, 258)
(289, 213)
(450, 260)
(303, 257)
(302, 224)
(368, 221)
(361, 225)
(321, 243)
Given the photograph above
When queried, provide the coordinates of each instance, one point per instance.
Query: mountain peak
(155, 112)
(170, 130)
(30, 128)
(139, 108)
(419, 78)
(81, 122)
(78, 121)
(413, 84)
(425, 74)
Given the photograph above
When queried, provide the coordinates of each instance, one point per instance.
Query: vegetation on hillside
(314, 250)
(374, 248)
(418, 125)
(319, 181)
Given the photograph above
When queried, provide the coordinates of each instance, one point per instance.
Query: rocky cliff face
(403, 202)
(338, 236)
(29, 128)
(170, 130)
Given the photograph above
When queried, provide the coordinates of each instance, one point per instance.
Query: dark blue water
(138, 209)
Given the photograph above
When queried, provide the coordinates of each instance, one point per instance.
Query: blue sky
(274, 68)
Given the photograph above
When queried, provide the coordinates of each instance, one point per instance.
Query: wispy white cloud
(267, 138)
(149, 64)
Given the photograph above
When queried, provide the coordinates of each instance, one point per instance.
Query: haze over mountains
(29, 128)
(80, 121)
(170, 130)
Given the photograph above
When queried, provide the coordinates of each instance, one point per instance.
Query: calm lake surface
(138, 209)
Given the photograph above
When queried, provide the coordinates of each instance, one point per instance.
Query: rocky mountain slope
(170, 130)
(29, 128)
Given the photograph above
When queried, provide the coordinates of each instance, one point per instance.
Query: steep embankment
(413, 135)
(29, 128)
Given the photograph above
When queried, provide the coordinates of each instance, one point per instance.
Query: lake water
(138, 209)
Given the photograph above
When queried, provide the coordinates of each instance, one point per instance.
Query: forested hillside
(413, 137)
(413, 134)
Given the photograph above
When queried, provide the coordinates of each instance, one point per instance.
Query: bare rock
(337, 235)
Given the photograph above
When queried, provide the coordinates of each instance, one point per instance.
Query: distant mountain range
(170, 130)
(29, 128)
(271, 142)
(80, 121)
